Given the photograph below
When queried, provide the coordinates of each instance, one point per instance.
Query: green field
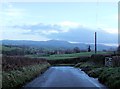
(46, 56)
(8, 48)
(65, 56)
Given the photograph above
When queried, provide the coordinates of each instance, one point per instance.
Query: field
(66, 56)
(41, 53)
(8, 48)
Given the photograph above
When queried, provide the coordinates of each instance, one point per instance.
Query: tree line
(25, 50)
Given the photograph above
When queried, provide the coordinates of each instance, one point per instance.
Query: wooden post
(95, 42)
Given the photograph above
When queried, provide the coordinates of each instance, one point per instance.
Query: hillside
(56, 44)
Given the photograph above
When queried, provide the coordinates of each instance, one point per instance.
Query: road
(65, 77)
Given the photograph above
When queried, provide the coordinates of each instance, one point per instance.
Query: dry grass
(15, 62)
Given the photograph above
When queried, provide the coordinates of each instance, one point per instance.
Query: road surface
(65, 77)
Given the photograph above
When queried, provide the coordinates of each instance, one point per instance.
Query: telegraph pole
(95, 42)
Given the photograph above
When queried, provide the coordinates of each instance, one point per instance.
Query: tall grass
(17, 70)
(16, 62)
(17, 78)
(111, 77)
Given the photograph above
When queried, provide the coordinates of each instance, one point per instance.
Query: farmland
(56, 44)
(21, 64)
(66, 56)
(42, 53)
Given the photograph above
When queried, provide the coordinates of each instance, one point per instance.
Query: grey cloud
(80, 34)
(86, 35)
(39, 26)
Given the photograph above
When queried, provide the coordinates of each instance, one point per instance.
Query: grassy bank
(110, 76)
(15, 62)
(18, 70)
(17, 78)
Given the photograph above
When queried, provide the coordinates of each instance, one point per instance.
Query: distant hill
(55, 44)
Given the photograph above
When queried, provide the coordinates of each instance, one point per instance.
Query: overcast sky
(74, 22)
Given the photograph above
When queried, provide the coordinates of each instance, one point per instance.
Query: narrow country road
(65, 77)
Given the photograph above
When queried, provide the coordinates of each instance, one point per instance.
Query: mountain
(55, 44)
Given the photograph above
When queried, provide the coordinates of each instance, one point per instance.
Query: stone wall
(108, 61)
(112, 61)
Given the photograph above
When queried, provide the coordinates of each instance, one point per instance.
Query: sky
(73, 22)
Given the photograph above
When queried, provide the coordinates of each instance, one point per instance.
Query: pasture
(66, 56)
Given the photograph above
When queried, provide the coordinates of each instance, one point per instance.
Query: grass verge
(17, 78)
(110, 76)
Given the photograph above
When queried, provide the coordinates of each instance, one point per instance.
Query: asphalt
(65, 77)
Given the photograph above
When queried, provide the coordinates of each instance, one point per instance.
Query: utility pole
(95, 42)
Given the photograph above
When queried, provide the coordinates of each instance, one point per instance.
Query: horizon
(106, 44)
